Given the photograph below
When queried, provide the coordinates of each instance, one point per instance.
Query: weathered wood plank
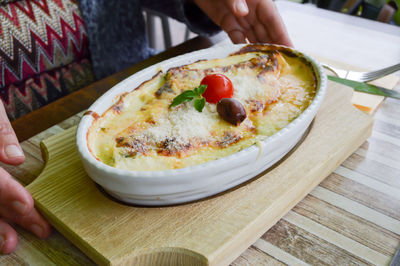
(256, 256)
(381, 146)
(374, 169)
(308, 247)
(365, 195)
(349, 225)
(358, 209)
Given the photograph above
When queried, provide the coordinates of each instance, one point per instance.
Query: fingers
(32, 222)
(8, 238)
(268, 15)
(238, 7)
(237, 36)
(258, 20)
(232, 27)
(10, 151)
(13, 196)
(16, 204)
(261, 33)
(262, 23)
(247, 29)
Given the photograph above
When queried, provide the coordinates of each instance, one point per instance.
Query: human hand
(256, 20)
(16, 204)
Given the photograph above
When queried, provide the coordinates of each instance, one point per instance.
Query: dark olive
(231, 110)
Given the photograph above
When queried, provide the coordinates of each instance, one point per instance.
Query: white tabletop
(340, 37)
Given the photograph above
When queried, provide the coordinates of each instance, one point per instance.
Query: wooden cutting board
(212, 231)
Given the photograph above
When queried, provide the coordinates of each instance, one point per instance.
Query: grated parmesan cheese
(250, 87)
(184, 123)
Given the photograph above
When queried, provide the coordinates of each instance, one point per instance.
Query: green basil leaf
(189, 93)
(181, 98)
(199, 104)
(200, 89)
(359, 86)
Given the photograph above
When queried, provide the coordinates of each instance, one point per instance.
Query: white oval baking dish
(159, 188)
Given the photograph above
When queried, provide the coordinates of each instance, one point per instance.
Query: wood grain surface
(351, 218)
(213, 231)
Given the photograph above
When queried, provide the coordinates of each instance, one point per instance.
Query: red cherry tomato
(218, 87)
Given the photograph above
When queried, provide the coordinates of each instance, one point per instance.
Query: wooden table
(352, 217)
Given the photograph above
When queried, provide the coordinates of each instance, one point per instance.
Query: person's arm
(185, 11)
(16, 204)
(256, 20)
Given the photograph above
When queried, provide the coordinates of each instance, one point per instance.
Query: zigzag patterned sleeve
(184, 11)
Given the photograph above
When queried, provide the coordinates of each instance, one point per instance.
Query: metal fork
(363, 76)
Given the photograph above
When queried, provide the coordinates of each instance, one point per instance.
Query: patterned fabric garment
(42, 42)
(39, 90)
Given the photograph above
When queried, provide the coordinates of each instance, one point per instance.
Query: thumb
(10, 151)
(238, 7)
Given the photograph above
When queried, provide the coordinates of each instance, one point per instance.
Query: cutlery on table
(363, 76)
(356, 80)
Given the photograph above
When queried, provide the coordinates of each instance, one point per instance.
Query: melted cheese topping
(142, 133)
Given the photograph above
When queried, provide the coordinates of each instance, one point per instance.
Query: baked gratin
(141, 132)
